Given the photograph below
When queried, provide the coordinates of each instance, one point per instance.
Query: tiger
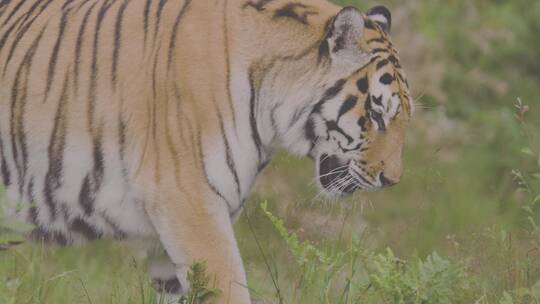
(149, 120)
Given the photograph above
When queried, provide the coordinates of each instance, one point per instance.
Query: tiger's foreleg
(200, 230)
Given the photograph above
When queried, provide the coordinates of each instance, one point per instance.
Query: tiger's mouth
(339, 176)
(335, 177)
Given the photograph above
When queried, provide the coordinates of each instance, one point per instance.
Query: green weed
(199, 282)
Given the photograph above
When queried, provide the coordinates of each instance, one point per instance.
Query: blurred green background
(468, 62)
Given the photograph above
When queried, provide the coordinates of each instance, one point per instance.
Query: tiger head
(357, 129)
(336, 92)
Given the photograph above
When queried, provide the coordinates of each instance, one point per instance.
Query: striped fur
(150, 119)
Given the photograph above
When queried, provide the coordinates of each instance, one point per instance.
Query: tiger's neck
(273, 50)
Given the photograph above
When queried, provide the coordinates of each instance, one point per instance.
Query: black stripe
(95, 67)
(8, 32)
(252, 119)
(393, 60)
(22, 30)
(379, 50)
(161, 4)
(122, 136)
(18, 102)
(332, 92)
(398, 111)
(98, 158)
(172, 44)
(309, 132)
(259, 5)
(117, 41)
(153, 110)
(349, 103)
(78, 46)
(367, 104)
(192, 137)
(32, 214)
(54, 56)
(324, 47)
(20, 22)
(261, 167)
(289, 11)
(228, 155)
(83, 3)
(122, 145)
(86, 196)
(151, 104)
(332, 125)
(66, 4)
(29, 13)
(96, 176)
(273, 118)
(13, 122)
(80, 226)
(179, 114)
(369, 24)
(3, 6)
(377, 40)
(4, 170)
(30, 191)
(93, 180)
(145, 19)
(378, 118)
(27, 64)
(212, 186)
(382, 63)
(53, 177)
(14, 11)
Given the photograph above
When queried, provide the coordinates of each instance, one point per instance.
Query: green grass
(100, 272)
(460, 224)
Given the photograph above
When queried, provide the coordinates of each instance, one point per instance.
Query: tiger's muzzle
(340, 176)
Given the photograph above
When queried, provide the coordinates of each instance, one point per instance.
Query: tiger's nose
(388, 182)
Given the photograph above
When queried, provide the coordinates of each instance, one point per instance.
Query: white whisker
(337, 170)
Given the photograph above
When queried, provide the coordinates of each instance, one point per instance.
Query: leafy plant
(528, 185)
(370, 277)
(199, 292)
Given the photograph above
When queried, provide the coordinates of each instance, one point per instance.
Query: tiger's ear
(343, 35)
(382, 16)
